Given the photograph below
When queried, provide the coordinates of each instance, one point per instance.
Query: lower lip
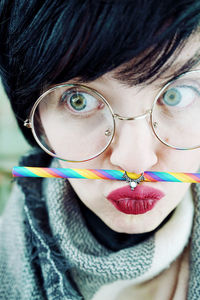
(139, 201)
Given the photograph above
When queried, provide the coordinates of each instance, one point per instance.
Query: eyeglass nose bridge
(142, 116)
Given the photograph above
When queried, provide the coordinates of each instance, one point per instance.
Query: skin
(137, 154)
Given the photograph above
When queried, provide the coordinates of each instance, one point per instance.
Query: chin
(134, 224)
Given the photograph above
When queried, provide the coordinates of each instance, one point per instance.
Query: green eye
(172, 97)
(78, 101)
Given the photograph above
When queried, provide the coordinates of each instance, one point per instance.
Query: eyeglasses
(76, 123)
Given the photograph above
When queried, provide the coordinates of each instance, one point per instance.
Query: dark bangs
(139, 36)
(49, 42)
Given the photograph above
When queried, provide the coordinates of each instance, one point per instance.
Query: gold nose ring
(133, 182)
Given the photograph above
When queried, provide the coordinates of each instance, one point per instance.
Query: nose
(134, 147)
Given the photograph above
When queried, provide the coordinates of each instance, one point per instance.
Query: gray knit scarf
(47, 252)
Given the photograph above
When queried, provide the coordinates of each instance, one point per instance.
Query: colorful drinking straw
(103, 174)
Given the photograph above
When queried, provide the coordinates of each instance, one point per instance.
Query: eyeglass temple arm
(27, 123)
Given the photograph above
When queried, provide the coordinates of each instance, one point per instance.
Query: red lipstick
(138, 201)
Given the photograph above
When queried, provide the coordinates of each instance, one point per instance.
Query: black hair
(52, 41)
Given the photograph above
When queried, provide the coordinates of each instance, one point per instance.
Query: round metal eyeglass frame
(28, 122)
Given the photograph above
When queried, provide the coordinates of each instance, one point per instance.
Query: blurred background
(12, 146)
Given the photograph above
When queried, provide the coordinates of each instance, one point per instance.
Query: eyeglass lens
(176, 113)
(73, 123)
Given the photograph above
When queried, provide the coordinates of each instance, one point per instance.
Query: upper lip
(141, 192)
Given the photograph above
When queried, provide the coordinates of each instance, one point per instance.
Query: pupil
(78, 102)
(172, 97)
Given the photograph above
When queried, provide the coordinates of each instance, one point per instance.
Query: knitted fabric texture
(46, 251)
(93, 265)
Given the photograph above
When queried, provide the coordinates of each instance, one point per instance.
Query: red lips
(138, 201)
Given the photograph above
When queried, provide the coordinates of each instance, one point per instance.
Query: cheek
(86, 189)
(89, 193)
(180, 160)
(192, 160)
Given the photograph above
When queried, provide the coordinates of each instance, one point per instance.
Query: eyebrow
(181, 67)
(168, 72)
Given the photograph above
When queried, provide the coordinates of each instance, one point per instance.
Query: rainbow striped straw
(103, 174)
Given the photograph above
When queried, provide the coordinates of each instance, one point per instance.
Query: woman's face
(135, 149)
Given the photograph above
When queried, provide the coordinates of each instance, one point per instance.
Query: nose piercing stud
(133, 182)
